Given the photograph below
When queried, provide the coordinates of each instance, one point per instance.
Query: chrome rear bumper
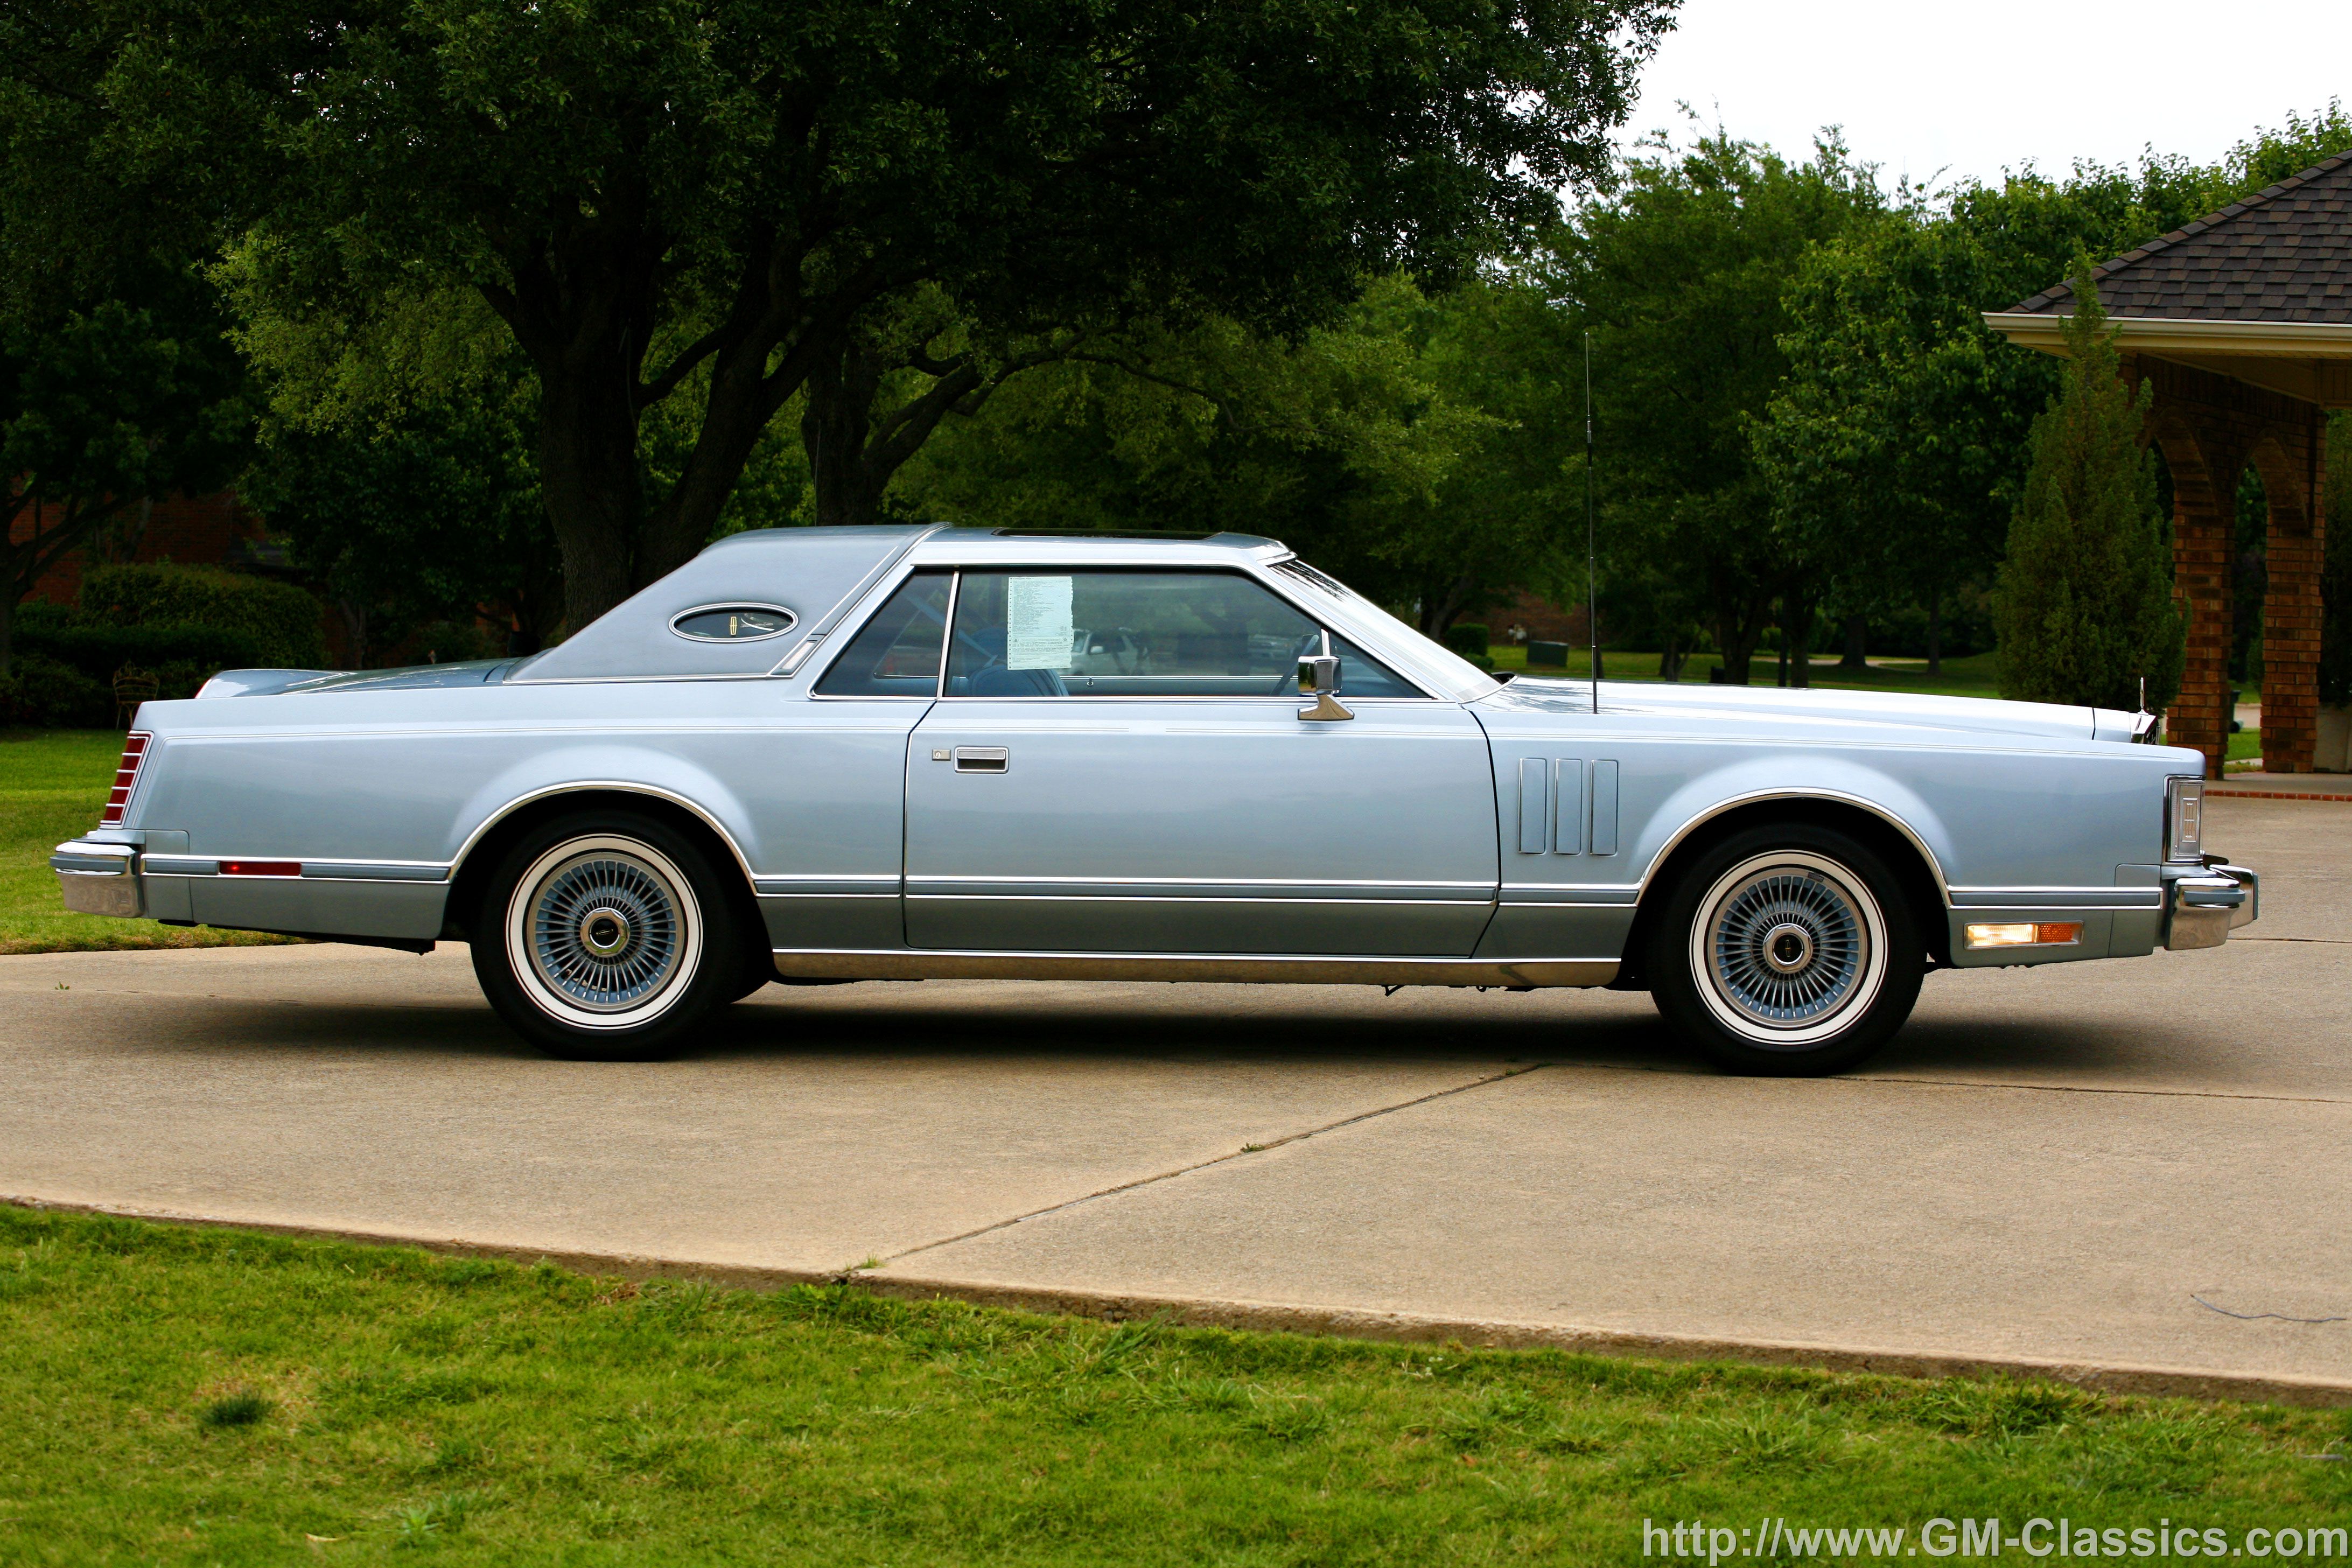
(2202, 905)
(100, 879)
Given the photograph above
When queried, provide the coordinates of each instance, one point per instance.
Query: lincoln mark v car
(860, 753)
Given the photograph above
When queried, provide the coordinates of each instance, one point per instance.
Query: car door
(1117, 763)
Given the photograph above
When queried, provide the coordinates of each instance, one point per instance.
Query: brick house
(192, 531)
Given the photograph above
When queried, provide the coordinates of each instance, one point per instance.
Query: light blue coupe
(855, 753)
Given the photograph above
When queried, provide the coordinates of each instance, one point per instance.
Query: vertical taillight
(126, 773)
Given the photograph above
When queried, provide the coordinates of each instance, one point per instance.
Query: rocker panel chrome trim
(1253, 969)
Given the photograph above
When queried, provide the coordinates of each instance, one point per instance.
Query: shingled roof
(2282, 255)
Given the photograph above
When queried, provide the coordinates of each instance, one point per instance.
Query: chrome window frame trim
(1260, 577)
(815, 670)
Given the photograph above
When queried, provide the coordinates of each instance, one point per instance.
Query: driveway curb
(2112, 1377)
(2117, 1377)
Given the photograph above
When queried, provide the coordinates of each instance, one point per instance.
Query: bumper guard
(2203, 904)
(100, 879)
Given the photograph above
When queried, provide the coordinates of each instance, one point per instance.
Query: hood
(1736, 704)
(274, 682)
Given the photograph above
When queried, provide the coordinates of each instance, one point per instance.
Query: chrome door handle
(983, 759)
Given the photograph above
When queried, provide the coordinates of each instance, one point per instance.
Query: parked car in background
(826, 754)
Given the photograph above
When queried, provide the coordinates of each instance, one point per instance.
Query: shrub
(2084, 608)
(40, 691)
(1466, 638)
(99, 647)
(275, 623)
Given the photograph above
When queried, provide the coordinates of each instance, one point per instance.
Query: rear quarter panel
(370, 790)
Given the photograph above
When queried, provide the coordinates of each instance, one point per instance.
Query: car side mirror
(1319, 678)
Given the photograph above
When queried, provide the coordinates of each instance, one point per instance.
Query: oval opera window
(732, 622)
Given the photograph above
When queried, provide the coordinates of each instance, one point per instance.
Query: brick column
(2290, 610)
(2203, 525)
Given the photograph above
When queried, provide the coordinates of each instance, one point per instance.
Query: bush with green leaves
(40, 692)
(2084, 608)
(1466, 637)
(275, 624)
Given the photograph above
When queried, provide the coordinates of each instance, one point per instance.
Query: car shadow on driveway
(999, 1021)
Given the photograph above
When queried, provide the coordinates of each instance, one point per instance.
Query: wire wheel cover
(1789, 947)
(605, 933)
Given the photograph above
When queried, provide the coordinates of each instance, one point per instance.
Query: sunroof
(1102, 534)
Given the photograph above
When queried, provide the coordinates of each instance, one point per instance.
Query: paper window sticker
(1038, 626)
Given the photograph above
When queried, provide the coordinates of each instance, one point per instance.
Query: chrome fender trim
(582, 786)
(1247, 969)
(1935, 866)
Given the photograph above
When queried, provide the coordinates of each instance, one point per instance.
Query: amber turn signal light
(2027, 933)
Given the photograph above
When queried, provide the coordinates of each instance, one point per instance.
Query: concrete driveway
(2050, 1168)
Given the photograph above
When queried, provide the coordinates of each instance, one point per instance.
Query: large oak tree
(698, 199)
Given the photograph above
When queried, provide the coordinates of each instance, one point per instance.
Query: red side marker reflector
(261, 868)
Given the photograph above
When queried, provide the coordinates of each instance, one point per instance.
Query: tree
(427, 513)
(702, 199)
(1896, 438)
(116, 384)
(1682, 276)
(102, 405)
(2084, 606)
(1415, 448)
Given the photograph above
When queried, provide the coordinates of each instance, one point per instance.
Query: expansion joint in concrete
(1244, 1151)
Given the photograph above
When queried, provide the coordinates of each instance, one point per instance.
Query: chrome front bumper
(2203, 904)
(100, 879)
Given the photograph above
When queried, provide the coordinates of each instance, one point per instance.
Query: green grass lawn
(196, 1395)
(53, 784)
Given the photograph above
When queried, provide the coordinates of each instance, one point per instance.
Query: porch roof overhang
(2311, 361)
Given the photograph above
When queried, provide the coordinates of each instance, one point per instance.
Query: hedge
(276, 624)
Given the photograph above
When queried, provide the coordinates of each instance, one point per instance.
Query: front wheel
(1789, 951)
(607, 936)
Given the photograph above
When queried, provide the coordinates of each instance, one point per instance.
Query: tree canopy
(700, 200)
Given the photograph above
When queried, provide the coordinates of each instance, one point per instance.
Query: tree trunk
(1739, 622)
(1935, 630)
(1669, 658)
(354, 619)
(1781, 673)
(1857, 642)
(835, 430)
(588, 474)
(7, 631)
(1797, 638)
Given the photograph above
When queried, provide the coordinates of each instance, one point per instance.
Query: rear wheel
(1788, 951)
(607, 936)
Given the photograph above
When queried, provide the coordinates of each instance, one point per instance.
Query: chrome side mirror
(1319, 678)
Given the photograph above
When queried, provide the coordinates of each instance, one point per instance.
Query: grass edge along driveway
(190, 1394)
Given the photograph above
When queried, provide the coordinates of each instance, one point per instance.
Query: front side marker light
(2027, 933)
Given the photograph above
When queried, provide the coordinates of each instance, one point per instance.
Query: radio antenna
(1591, 568)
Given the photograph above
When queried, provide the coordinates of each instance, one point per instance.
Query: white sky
(1973, 88)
